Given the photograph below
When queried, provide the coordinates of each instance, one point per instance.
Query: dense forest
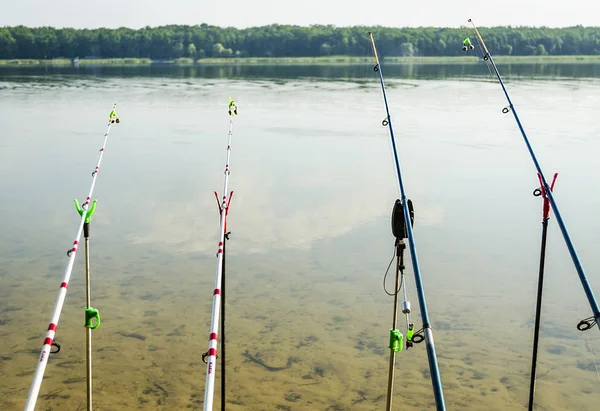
(169, 42)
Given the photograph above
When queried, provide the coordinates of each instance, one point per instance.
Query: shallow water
(314, 184)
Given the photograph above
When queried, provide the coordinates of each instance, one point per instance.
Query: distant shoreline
(329, 60)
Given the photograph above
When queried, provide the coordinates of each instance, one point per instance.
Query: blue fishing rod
(407, 226)
(589, 322)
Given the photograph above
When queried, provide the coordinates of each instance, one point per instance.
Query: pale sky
(247, 13)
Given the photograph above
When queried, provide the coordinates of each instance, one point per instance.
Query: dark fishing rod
(223, 379)
(589, 322)
(426, 330)
(541, 191)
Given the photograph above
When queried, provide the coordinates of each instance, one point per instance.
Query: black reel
(398, 221)
(56, 347)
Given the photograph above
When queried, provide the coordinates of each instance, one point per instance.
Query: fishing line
(62, 293)
(480, 50)
(385, 277)
(588, 345)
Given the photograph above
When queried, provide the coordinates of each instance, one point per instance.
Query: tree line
(200, 41)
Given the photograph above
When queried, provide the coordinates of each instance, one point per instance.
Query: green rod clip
(90, 314)
(89, 213)
(395, 340)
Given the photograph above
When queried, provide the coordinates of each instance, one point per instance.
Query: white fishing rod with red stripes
(211, 355)
(62, 292)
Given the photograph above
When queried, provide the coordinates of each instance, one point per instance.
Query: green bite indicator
(409, 333)
(395, 341)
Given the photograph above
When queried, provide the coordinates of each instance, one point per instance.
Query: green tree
(191, 50)
(68, 41)
(217, 50)
(25, 42)
(276, 40)
(407, 50)
(506, 49)
(325, 49)
(7, 44)
(541, 50)
(177, 49)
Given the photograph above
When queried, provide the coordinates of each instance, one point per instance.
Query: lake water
(314, 184)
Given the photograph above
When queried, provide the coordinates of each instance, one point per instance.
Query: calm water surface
(314, 184)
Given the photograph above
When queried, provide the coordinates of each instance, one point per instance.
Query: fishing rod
(589, 322)
(541, 191)
(406, 216)
(62, 292)
(210, 357)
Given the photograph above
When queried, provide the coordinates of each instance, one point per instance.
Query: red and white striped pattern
(211, 360)
(60, 299)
